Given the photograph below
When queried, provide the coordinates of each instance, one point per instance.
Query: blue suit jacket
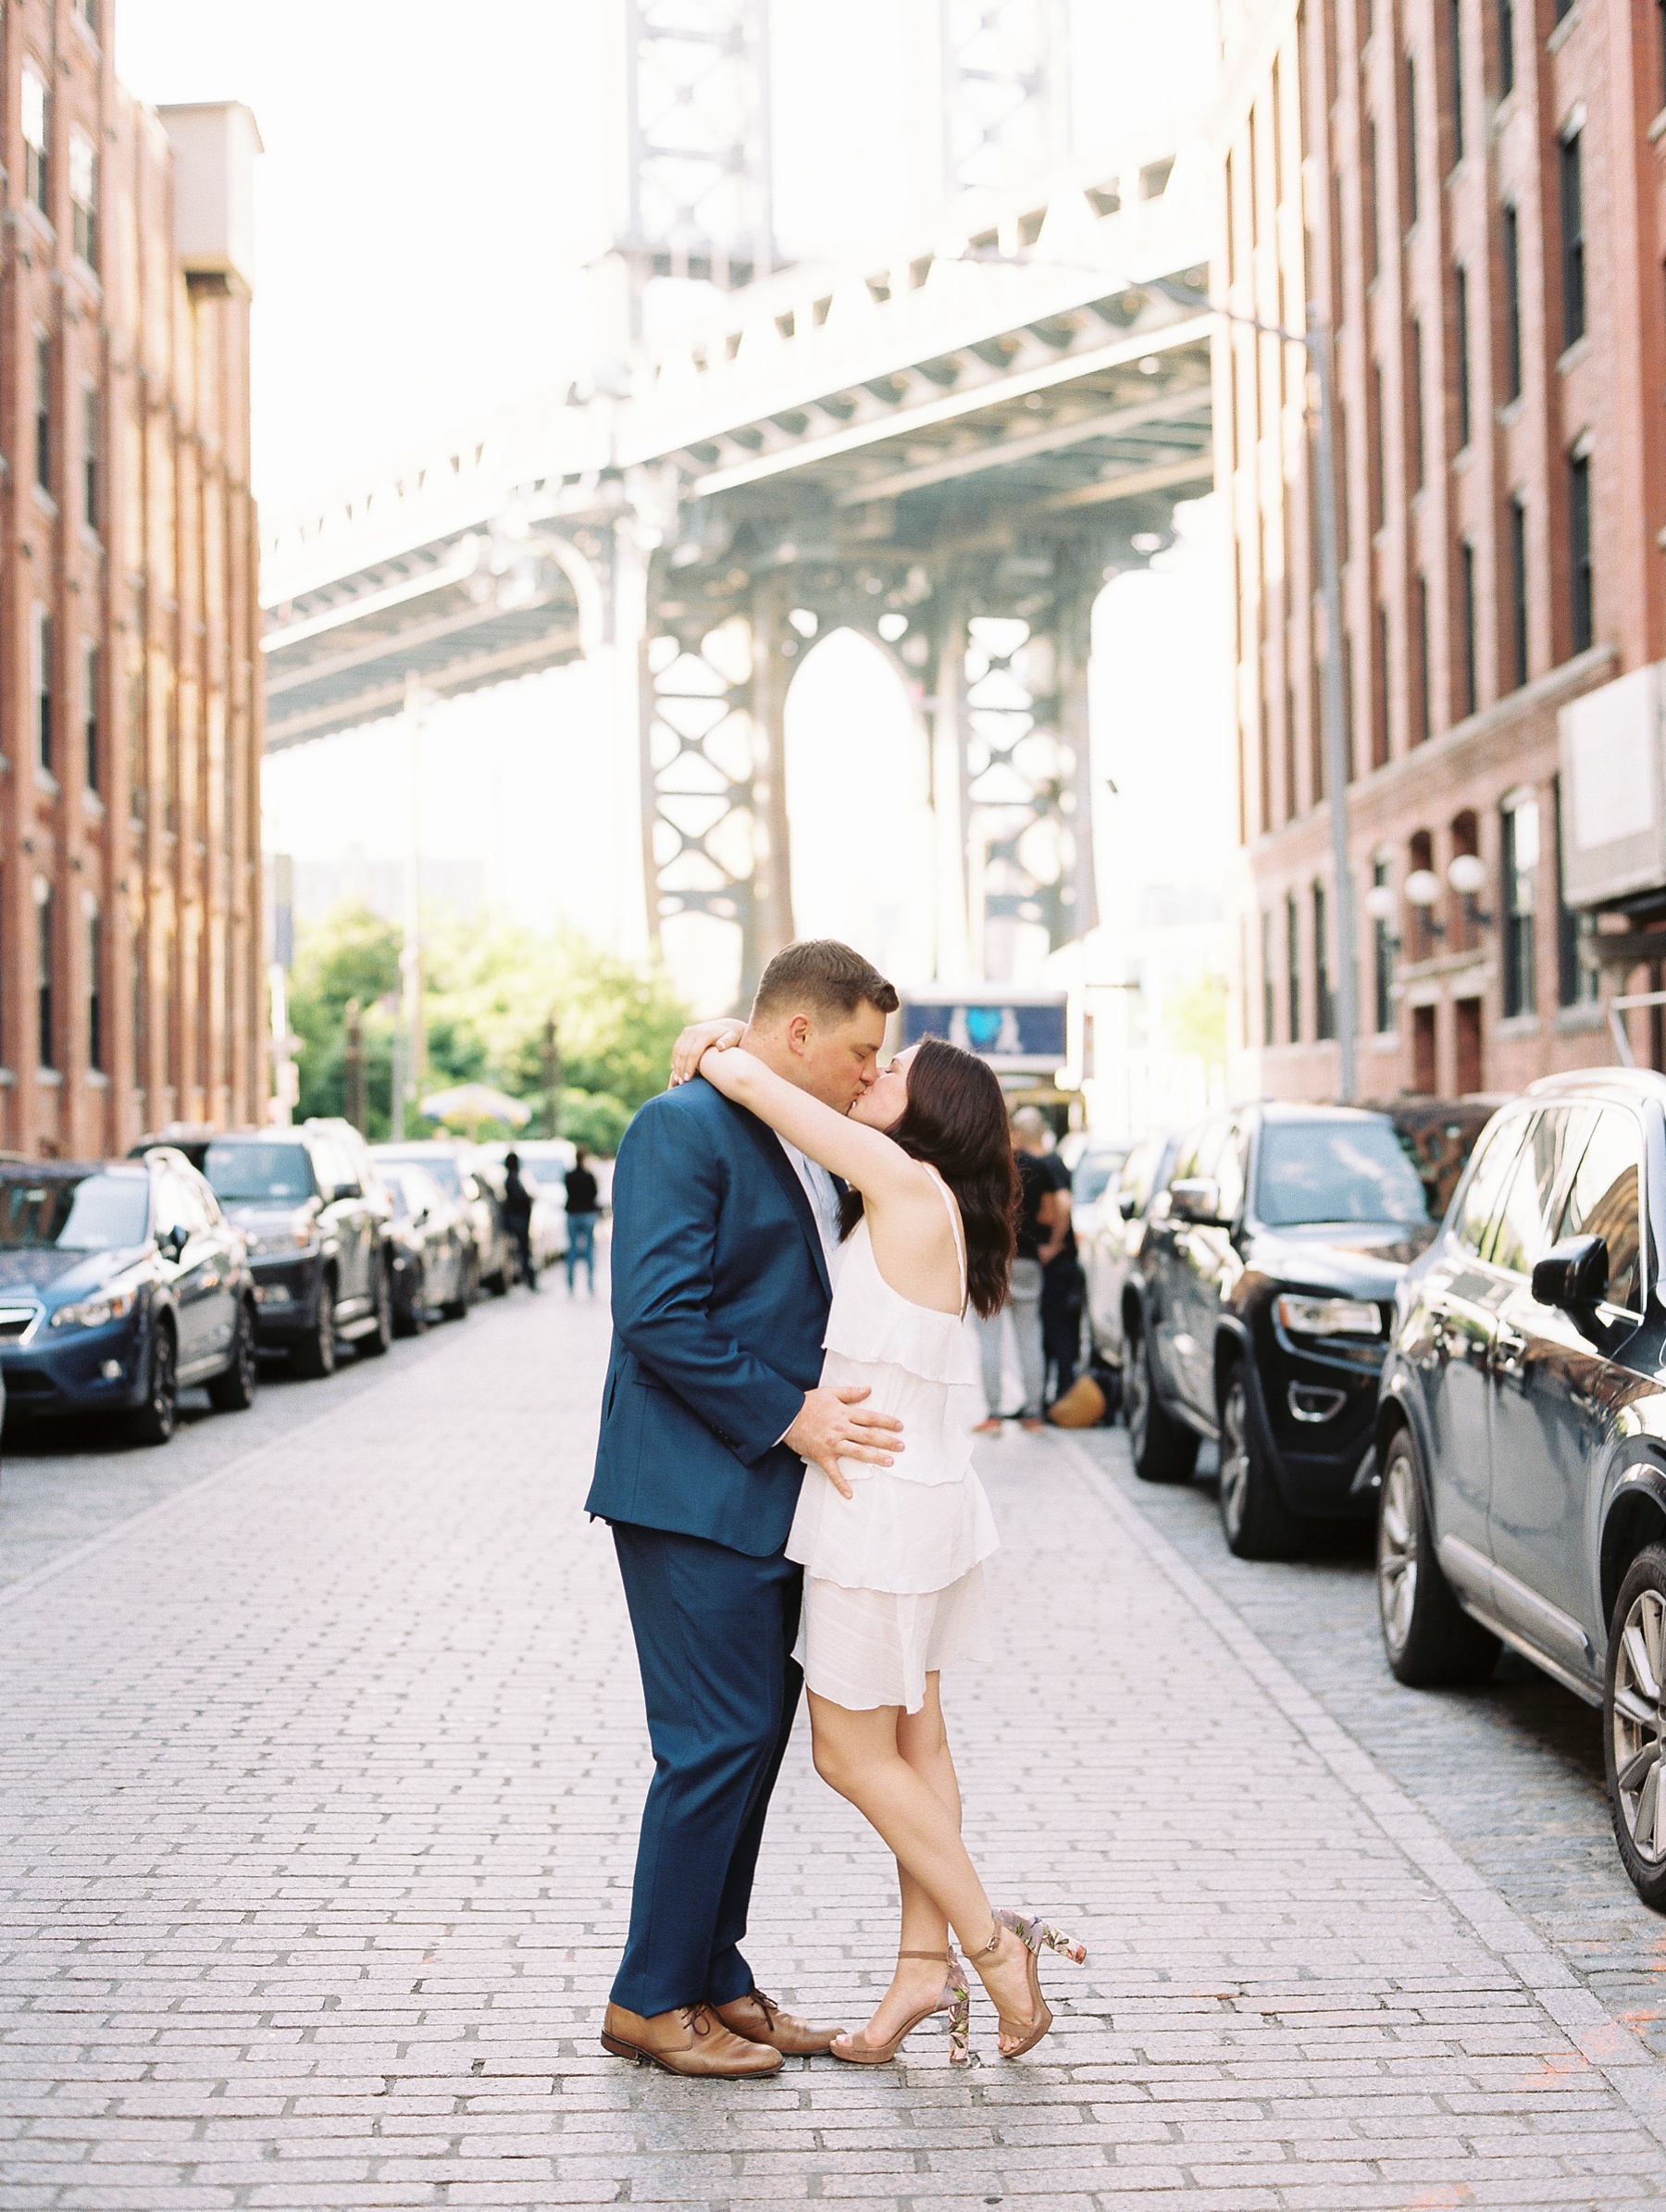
(720, 1298)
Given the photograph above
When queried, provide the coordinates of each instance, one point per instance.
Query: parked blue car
(121, 1283)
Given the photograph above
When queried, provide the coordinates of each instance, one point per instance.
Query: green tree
(1195, 1020)
(353, 954)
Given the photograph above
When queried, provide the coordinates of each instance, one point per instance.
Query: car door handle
(1508, 1354)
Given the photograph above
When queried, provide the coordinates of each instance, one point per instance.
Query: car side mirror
(420, 1215)
(344, 1190)
(1574, 1273)
(174, 1240)
(1196, 1198)
(1127, 1207)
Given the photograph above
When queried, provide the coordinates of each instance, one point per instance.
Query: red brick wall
(163, 583)
(1383, 267)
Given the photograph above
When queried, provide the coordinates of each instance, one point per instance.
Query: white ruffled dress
(893, 1576)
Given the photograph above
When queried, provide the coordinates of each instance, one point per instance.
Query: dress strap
(956, 1226)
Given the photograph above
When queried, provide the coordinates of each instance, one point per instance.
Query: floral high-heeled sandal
(954, 1998)
(1035, 1934)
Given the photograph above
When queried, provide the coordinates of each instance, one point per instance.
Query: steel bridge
(948, 446)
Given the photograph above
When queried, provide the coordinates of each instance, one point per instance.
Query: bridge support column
(771, 833)
(947, 738)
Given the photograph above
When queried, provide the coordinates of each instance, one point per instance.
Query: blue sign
(1026, 1034)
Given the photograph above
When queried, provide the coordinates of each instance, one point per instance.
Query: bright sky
(435, 177)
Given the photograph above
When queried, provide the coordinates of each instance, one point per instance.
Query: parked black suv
(1257, 1311)
(1521, 1428)
(317, 1224)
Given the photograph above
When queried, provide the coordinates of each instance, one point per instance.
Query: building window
(34, 136)
(1369, 211)
(138, 748)
(1581, 581)
(1383, 956)
(89, 671)
(1419, 462)
(1411, 141)
(1506, 48)
(1290, 805)
(83, 195)
(1520, 823)
(1518, 588)
(1463, 368)
(1573, 242)
(42, 410)
(44, 1038)
(1468, 615)
(1425, 726)
(1577, 983)
(1512, 302)
(1455, 63)
(1343, 504)
(94, 987)
(41, 673)
(1325, 1008)
(1378, 455)
(1266, 976)
(1292, 971)
(90, 439)
(1379, 694)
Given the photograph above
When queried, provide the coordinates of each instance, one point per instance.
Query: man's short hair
(821, 976)
(1028, 1121)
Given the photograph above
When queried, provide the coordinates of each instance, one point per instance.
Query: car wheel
(233, 1392)
(1634, 1712)
(314, 1356)
(414, 1321)
(1164, 1449)
(155, 1420)
(1254, 1518)
(1427, 1636)
(374, 1343)
(498, 1284)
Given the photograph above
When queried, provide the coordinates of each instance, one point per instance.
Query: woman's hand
(696, 1041)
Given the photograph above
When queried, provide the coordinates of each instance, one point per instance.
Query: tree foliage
(489, 988)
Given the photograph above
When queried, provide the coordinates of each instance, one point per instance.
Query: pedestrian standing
(517, 1217)
(582, 1205)
(1034, 1232)
(1063, 1286)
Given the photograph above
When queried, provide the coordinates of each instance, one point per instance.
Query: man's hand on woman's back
(833, 1425)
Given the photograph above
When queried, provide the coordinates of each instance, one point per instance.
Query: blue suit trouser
(715, 1630)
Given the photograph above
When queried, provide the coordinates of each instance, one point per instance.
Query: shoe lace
(696, 2020)
(770, 2009)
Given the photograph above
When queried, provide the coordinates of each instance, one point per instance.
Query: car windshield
(443, 1167)
(72, 1213)
(1094, 1169)
(279, 1174)
(1314, 1172)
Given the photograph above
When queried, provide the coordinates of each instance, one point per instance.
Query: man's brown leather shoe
(692, 2040)
(761, 2020)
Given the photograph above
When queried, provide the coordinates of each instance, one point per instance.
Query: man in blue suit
(721, 1243)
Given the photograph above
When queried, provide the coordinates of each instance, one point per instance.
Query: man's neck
(771, 1047)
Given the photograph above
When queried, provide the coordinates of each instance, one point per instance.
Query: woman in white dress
(893, 1555)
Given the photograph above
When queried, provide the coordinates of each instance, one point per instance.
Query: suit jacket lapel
(769, 1149)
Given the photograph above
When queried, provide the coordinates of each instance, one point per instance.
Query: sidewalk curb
(1607, 2043)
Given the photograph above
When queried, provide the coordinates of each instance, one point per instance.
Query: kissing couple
(785, 1461)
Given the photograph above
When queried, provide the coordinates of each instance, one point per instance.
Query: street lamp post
(1315, 342)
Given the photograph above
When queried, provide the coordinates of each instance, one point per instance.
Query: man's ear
(798, 1032)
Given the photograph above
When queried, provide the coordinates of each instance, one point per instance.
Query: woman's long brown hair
(955, 1121)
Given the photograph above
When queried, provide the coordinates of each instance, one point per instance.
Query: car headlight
(1328, 1316)
(92, 1313)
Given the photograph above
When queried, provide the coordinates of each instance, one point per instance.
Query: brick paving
(317, 1791)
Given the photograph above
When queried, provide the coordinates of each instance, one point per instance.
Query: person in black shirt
(517, 1217)
(1063, 1286)
(582, 1206)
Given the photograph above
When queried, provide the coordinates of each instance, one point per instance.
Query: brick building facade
(1471, 192)
(132, 986)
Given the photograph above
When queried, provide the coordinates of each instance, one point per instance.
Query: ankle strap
(941, 1957)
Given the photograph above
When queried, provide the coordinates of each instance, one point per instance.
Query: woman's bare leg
(858, 1755)
(922, 1743)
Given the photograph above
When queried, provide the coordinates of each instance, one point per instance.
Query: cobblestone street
(321, 1776)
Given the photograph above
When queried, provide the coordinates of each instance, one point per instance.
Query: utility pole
(1315, 342)
(551, 1077)
(354, 1103)
(414, 1069)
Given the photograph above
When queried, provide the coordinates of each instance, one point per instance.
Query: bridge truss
(947, 447)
